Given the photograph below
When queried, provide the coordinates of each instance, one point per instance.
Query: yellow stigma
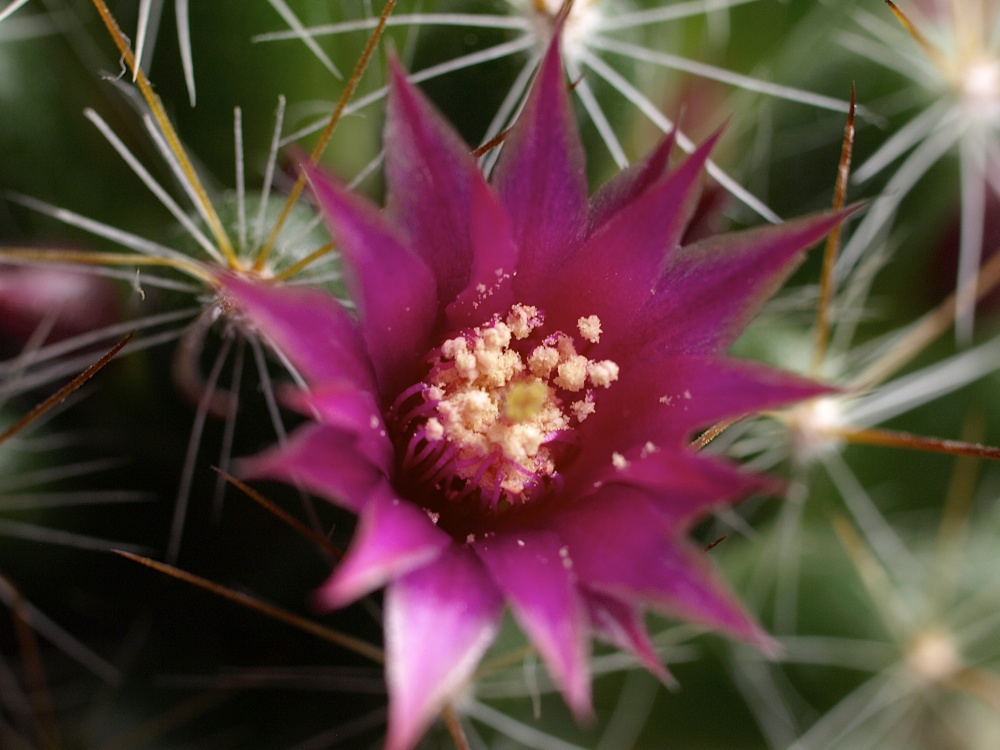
(525, 401)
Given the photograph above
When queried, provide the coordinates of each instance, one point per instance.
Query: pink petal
(711, 290)
(308, 326)
(534, 573)
(393, 537)
(663, 400)
(709, 217)
(685, 486)
(495, 259)
(337, 403)
(623, 548)
(698, 391)
(323, 460)
(540, 175)
(613, 274)
(393, 288)
(429, 172)
(630, 183)
(439, 621)
(341, 405)
(622, 626)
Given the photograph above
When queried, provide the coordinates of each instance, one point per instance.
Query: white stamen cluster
(499, 408)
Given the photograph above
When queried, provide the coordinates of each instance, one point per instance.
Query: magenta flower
(509, 410)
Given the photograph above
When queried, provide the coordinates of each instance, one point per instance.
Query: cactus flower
(509, 406)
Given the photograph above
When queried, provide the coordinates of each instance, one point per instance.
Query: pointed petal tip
(399, 81)
(854, 208)
(406, 95)
(768, 646)
(321, 601)
(319, 179)
(825, 221)
(550, 72)
(660, 671)
(709, 144)
(540, 176)
(530, 568)
(401, 736)
(859, 207)
(650, 661)
(769, 485)
(324, 460)
(582, 708)
(576, 692)
(744, 626)
(439, 621)
(393, 538)
(270, 464)
(394, 290)
(667, 679)
(621, 624)
(307, 325)
(395, 65)
(258, 466)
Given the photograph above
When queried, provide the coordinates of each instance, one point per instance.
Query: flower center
(815, 425)
(979, 89)
(933, 656)
(494, 409)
